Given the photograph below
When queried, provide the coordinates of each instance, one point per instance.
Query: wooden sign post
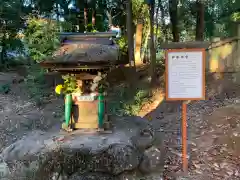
(185, 80)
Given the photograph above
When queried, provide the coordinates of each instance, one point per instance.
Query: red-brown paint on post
(184, 137)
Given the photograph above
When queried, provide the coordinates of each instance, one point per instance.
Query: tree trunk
(152, 44)
(164, 28)
(200, 21)
(145, 45)
(173, 11)
(109, 16)
(130, 34)
(93, 18)
(85, 15)
(157, 28)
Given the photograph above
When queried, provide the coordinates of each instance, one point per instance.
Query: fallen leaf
(197, 166)
(230, 172)
(198, 171)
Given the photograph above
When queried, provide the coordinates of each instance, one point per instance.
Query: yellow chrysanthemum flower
(59, 88)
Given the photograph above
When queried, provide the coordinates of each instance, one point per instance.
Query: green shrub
(35, 83)
(123, 44)
(123, 103)
(41, 37)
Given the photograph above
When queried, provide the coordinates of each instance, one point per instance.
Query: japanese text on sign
(185, 75)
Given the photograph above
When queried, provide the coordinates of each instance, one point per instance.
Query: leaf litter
(213, 136)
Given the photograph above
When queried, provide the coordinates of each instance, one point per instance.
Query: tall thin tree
(85, 14)
(200, 20)
(152, 42)
(130, 32)
(173, 11)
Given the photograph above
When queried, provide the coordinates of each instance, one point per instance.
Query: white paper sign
(185, 75)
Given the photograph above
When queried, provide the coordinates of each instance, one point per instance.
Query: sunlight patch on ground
(157, 99)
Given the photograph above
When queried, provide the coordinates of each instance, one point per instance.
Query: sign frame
(202, 50)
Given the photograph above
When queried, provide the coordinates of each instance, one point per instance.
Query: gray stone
(153, 160)
(143, 139)
(40, 155)
(123, 158)
(33, 155)
(143, 134)
(113, 159)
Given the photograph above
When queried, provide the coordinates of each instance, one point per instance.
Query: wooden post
(138, 43)
(184, 137)
(177, 58)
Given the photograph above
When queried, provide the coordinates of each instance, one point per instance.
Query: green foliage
(219, 15)
(10, 23)
(41, 37)
(65, 26)
(140, 11)
(236, 16)
(134, 107)
(94, 30)
(125, 102)
(70, 83)
(10, 19)
(123, 44)
(36, 84)
(90, 28)
(16, 61)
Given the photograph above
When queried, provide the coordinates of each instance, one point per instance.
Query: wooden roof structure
(85, 51)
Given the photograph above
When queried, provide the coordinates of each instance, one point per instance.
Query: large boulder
(27, 157)
(43, 156)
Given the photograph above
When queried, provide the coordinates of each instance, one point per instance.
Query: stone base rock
(44, 155)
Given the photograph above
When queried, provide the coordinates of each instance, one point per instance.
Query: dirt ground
(19, 115)
(213, 126)
(213, 132)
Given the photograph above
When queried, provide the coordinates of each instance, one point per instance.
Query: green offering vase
(68, 108)
(101, 109)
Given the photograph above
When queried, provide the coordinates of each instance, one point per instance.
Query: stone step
(86, 125)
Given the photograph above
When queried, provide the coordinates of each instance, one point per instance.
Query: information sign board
(185, 74)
